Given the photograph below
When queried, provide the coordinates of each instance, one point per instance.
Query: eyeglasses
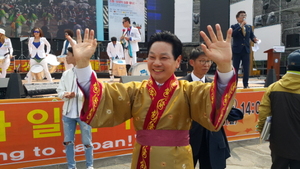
(66, 34)
(243, 15)
(36, 31)
(203, 62)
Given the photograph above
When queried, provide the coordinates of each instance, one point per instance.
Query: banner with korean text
(31, 131)
(31, 134)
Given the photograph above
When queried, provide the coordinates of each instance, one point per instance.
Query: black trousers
(279, 162)
(245, 58)
(203, 154)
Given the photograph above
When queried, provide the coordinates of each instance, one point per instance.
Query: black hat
(294, 60)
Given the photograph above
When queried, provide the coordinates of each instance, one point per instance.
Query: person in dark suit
(210, 148)
(242, 34)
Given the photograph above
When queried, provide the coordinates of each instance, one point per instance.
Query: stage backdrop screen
(213, 12)
(160, 16)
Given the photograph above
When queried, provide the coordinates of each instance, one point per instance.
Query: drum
(61, 58)
(2, 59)
(52, 63)
(119, 67)
(52, 68)
(139, 69)
(37, 72)
(52, 60)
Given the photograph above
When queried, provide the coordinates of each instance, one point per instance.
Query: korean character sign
(28, 131)
(31, 135)
(42, 126)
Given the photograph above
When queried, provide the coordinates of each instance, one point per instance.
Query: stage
(254, 82)
(42, 88)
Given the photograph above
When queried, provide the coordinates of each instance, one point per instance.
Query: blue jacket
(239, 40)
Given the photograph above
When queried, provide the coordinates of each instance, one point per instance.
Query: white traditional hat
(2, 31)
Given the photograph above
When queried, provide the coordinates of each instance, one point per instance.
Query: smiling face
(161, 63)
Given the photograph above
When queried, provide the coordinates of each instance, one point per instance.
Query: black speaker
(292, 40)
(3, 87)
(271, 77)
(15, 88)
(125, 79)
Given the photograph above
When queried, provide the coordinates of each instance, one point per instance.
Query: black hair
(113, 39)
(167, 37)
(69, 32)
(70, 49)
(196, 52)
(238, 14)
(127, 19)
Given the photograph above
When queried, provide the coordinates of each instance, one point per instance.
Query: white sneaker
(90, 167)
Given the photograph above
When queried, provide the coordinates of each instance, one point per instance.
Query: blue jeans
(69, 138)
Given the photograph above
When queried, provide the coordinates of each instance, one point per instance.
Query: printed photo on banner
(134, 9)
(18, 18)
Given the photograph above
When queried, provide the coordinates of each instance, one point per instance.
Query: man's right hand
(243, 23)
(84, 49)
(217, 49)
(69, 95)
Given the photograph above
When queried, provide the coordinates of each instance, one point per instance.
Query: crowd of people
(18, 18)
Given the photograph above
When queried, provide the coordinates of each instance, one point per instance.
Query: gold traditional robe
(190, 101)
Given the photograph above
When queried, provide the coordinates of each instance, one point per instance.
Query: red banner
(31, 131)
(31, 134)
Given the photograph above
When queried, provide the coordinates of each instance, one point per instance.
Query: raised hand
(218, 49)
(84, 49)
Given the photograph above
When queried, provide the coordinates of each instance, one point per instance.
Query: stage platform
(254, 82)
(99, 74)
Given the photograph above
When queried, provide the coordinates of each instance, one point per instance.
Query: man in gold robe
(162, 108)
